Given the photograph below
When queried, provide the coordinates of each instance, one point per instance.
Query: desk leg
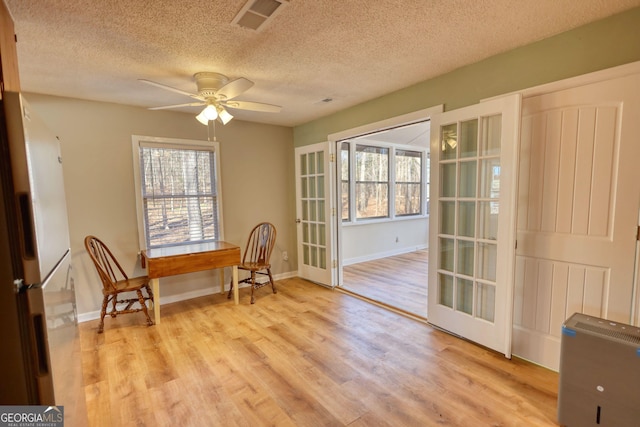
(155, 288)
(236, 299)
(221, 280)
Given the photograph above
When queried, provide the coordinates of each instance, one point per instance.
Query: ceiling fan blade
(172, 89)
(253, 106)
(234, 88)
(165, 107)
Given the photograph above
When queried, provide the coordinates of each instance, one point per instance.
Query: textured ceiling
(350, 51)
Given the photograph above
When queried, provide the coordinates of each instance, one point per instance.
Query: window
(178, 191)
(384, 175)
(372, 182)
(344, 179)
(408, 182)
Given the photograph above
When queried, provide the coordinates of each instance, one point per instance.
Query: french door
(314, 220)
(472, 221)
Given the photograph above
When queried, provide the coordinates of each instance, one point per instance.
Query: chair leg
(253, 286)
(273, 284)
(115, 309)
(230, 288)
(150, 293)
(144, 307)
(103, 313)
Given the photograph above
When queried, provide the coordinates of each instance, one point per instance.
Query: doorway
(383, 205)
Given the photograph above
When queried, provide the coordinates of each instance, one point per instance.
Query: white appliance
(599, 373)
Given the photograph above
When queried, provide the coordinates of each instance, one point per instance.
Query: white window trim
(391, 192)
(137, 140)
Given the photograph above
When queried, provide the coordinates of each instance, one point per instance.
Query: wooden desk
(169, 261)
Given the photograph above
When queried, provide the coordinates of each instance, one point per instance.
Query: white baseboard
(92, 315)
(373, 257)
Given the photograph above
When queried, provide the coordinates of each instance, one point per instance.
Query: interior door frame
(334, 138)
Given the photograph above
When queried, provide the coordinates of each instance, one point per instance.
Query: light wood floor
(399, 281)
(307, 356)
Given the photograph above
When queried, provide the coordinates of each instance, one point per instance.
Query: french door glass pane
(488, 220)
(448, 218)
(448, 180)
(487, 258)
(490, 178)
(465, 257)
(467, 179)
(464, 296)
(491, 135)
(486, 302)
(469, 138)
(445, 283)
(312, 163)
(449, 137)
(467, 219)
(446, 254)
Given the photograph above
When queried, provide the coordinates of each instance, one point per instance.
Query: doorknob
(298, 221)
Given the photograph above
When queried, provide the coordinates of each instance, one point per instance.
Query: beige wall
(257, 184)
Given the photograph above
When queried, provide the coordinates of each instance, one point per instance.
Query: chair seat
(128, 285)
(253, 266)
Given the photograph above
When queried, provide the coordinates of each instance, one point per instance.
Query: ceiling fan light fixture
(210, 112)
(202, 119)
(223, 115)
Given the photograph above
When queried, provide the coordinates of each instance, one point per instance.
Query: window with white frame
(371, 182)
(178, 191)
(345, 194)
(381, 179)
(408, 182)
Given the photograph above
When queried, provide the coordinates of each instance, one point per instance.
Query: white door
(472, 221)
(313, 213)
(578, 207)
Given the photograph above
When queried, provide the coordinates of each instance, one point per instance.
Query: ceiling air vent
(256, 13)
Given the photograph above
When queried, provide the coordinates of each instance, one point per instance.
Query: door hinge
(638, 233)
(333, 211)
(334, 263)
(332, 157)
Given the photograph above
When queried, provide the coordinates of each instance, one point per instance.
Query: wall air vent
(255, 14)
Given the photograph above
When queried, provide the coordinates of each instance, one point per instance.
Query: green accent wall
(596, 46)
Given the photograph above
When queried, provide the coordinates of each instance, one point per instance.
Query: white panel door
(472, 221)
(578, 201)
(313, 213)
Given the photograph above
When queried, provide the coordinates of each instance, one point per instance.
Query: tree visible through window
(344, 179)
(372, 182)
(408, 182)
(179, 195)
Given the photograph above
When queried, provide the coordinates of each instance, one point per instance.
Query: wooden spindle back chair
(115, 282)
(256, 257)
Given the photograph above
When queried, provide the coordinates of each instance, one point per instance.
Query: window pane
(372, 182)
(449, 141)
(371, 200)
(446, 290)
(408, 182)
(344, 174)
(464, 296)
(179, 195)
(469, 138)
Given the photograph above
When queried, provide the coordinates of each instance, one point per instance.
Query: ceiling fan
(216, 92)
